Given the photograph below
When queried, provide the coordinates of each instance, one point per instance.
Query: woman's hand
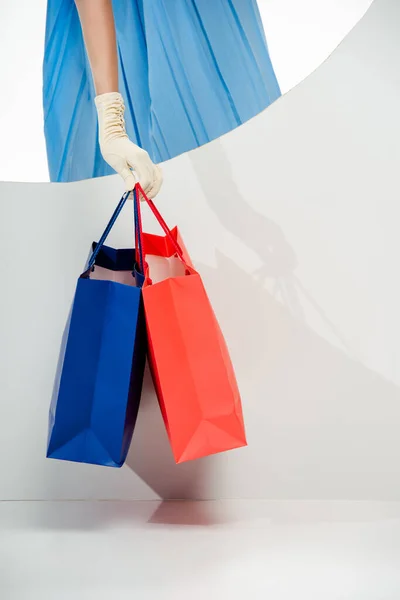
(118, 150)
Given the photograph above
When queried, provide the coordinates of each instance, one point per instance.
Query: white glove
(119, 152)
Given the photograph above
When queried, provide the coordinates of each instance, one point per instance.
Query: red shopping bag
(189, 359)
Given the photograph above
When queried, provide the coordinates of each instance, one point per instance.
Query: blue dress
(190, 71)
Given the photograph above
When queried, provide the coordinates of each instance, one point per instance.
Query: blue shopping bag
(99, 381)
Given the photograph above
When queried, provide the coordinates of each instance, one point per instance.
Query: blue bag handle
(106, 232)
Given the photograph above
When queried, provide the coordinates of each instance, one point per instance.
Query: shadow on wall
(322, 430)
(262, 235)
(265, 237)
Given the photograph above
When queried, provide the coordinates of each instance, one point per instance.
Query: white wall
(300, 35)
(292, 220)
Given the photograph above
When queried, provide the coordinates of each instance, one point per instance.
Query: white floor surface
(200, 550)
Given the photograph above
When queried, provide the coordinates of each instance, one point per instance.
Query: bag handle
(107, 230)
(139, 228)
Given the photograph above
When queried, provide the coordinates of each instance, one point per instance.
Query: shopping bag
(189, 359)
(98, 387)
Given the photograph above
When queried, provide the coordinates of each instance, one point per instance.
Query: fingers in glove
(128, 177)
(157, 182)
(142, 168)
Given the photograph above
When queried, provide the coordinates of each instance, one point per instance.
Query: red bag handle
(138, 232)
(140, 253)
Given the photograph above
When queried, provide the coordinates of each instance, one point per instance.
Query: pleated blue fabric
(190, 71)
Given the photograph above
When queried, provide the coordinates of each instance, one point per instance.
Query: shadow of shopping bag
(97, 395)
(189, 359)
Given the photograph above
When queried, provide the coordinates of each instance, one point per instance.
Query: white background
(292, 220)
(301, 34)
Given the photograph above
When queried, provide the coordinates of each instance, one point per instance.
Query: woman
(188, 71)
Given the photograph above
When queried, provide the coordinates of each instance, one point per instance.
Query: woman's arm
(125, 157)
(97, 20)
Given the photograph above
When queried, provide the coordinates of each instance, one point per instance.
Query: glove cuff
(110, 113)
(104, 100)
